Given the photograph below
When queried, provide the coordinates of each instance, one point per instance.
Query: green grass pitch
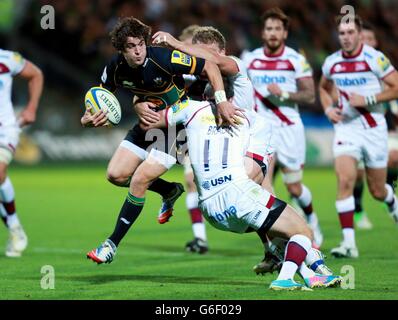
(68, 211)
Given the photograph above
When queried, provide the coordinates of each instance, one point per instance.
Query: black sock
(392, 175)
(162, 187)
(130, 211)
(358, 191)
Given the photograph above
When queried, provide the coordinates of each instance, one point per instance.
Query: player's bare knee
(116, 177)
(377, 191)
(292, 180)
(140, 180)
(294, 189)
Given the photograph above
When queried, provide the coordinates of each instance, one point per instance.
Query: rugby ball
(99, 98)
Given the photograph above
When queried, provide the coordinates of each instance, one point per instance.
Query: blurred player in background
(282, 78)
(359, 123)
(361, 218)
(13, 64)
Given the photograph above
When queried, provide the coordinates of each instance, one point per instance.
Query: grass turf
(68, 211)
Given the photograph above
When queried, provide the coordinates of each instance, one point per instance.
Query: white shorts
(240, 205)
(290, 146)
(9, 139)
(392, 141)
(262, 140)
(369, 145)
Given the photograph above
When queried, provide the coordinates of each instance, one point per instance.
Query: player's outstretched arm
(227, 65)
(35, 79)
(326, 91)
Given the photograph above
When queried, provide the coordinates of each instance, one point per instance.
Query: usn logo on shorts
(216, 182)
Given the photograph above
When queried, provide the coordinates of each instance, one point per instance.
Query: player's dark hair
(368, 26)
(129, 27)
(348, 18)
(276, 13)
(209, 35)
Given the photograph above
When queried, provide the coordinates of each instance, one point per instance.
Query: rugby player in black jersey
(154, 76)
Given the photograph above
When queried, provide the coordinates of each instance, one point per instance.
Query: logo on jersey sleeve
(18, 59)
(383, 62)
(305, 66)
(181, 58)
(177, 107)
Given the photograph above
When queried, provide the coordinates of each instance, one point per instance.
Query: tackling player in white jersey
(210, 44)
(230, 201)
(357, 71)
(282, 78)
(13, 64)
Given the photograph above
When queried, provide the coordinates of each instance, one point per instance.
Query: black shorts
(164, 139)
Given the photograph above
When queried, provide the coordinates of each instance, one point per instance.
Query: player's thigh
(288, 224)
(253, 170)
(148, 171)
(346, 171)
(123, 163)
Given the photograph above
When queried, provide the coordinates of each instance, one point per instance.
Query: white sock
(7, 193)
(192, 200)
(312, 219)
(199, 230)
(349, 237)
(13, 221)
(347, 205)
(390, 199)
(305, 272)
(305, 198)
(291, 265)
(288, 270)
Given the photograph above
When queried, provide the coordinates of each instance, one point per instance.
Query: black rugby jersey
(158, 80)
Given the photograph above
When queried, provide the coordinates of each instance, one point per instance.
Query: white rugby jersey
(217, 157)
(360, 74)
(283, 69)
(242, 87)
(11, 63)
